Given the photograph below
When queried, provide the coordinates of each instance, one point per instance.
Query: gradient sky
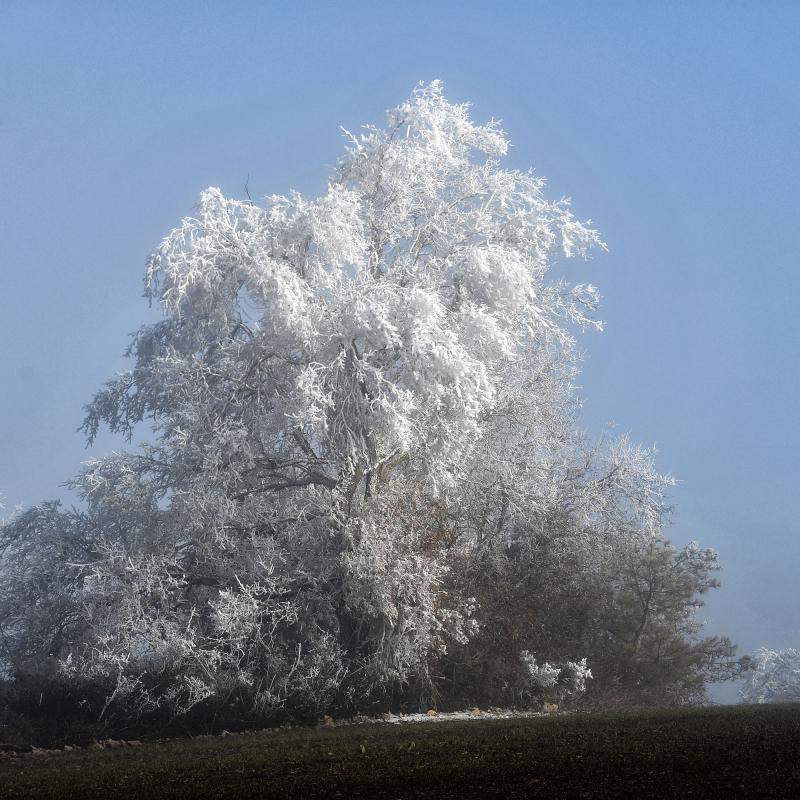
(674, 126)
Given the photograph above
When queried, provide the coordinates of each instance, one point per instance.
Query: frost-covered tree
(773, 677)
(356, 403)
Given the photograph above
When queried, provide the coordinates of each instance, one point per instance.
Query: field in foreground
(729, 752)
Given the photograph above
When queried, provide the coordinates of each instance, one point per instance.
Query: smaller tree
(653, 650)
(773, 677)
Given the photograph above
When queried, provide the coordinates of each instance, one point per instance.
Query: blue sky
(673, 126)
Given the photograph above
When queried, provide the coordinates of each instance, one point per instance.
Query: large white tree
(351, 399)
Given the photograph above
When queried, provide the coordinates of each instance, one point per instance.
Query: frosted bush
(554, 681)
(773, 677)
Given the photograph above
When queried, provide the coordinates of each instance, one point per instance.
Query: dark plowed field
(725, 752)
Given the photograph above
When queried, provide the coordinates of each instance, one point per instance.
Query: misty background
(673, 126)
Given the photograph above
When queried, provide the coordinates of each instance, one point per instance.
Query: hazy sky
(673, 126)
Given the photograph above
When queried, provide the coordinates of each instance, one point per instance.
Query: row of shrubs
(54, 709)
